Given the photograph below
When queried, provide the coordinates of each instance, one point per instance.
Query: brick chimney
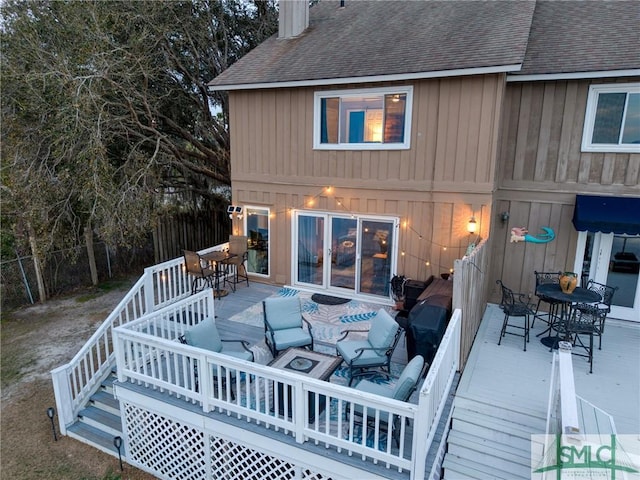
(293, 18)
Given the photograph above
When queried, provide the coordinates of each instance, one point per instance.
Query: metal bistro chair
(238, 246)
(543, 278)
(200, 273)
(602, 308)
(581, 323)
(513, 306)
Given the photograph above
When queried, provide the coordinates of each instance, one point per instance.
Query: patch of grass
(111, 285)
(102, 288)
(12, 366)
(110, 475)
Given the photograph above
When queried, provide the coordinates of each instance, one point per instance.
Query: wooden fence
(189, 230)
(470, 294)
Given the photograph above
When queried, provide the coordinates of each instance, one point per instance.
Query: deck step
(521, 416)
(98, 418)
(105, 401)
(458, 468)
(486, 422)
(490, 441)
(95, 437)
(489, 456)
(486, 446)
(107, 384)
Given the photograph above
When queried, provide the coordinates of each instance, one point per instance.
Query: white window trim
(319, 95)
(590, 116)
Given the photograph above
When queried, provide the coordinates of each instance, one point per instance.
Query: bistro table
(579, 295)
(217, 259)
(304, 362)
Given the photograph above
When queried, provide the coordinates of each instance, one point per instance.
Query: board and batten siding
(436, 185)
(540, 170)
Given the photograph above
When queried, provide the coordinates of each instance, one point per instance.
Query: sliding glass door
(344, 253)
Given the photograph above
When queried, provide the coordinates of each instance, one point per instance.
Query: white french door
(613, 260)
(348, 254)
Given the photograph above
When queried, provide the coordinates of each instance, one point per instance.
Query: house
(366, 135)
(373, 138)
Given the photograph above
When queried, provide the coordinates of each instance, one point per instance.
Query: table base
(551, 342)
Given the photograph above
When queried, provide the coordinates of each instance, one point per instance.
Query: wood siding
(445, 177)
(540, 170)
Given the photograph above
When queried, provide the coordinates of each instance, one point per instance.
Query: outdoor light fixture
(471, 226)
(51, 413)
(117, 442)
(504, 216)
(231, 209)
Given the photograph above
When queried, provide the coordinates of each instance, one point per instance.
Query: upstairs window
(612, 121)
(373, 119)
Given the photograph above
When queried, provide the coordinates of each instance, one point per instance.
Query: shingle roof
(376, 38)
(583, 36)
(373, 38)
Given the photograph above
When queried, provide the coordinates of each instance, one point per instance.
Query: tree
(106, 116)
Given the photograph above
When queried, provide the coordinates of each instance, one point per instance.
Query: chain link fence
(67, 270)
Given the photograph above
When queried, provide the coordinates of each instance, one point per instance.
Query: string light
(309, 202)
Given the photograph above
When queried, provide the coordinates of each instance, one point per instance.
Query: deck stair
(490, 442)
(99, 422)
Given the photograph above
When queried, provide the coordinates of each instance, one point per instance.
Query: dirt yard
(35, 340)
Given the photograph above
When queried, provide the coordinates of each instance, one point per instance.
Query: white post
(568, 403)
(299, 413)
(62, 394)
(149, 291)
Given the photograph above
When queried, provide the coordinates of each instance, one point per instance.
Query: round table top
(580, 294)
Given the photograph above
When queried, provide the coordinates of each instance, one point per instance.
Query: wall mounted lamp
(472, 225)
(234, 209)
(504, 216)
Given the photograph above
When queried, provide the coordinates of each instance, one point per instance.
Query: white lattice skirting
(174, 450)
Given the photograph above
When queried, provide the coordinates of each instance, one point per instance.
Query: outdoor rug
(327, 321)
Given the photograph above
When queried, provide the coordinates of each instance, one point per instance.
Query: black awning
(607, 214)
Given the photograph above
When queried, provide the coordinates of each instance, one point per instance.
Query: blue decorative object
(521, 234)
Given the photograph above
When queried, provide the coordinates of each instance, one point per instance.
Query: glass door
(309, 241)
(344, 247)
(614, 260)
(344, 253)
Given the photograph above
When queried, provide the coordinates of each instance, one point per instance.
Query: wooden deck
(502, 397)
(507, 375)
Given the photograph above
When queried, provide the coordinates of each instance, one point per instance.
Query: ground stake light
(51, 413)
(117, 442)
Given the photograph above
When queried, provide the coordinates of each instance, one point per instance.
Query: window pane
(606, 128)
(361, 119)
(631, 132)
(394, 117)
(258, 232)
(329, 111)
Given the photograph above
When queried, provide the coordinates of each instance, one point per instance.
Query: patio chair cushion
(204, 335)
(402, 388)
(283, 312)
(408, 379)
(293, 337)
(348, 351)
(383, 329)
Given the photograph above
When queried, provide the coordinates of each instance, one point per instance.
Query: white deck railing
(149, 354)
(74, 382)
(568, 413)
